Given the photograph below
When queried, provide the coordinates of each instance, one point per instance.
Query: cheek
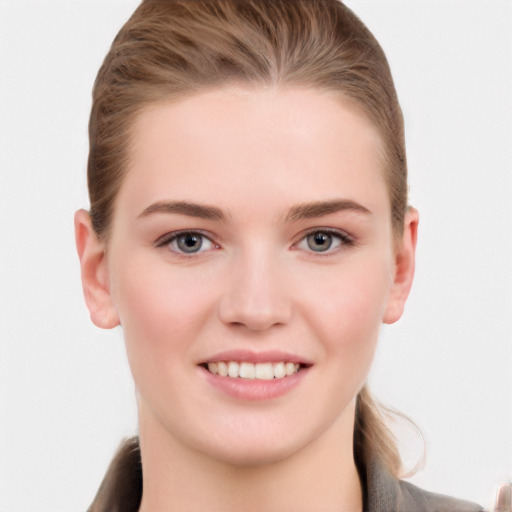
(161, 311)
(347, 310)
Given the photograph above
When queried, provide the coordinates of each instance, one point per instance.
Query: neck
(320, 476)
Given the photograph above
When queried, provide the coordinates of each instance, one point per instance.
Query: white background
(66, 398)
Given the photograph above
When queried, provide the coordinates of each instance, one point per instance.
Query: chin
(260, 443)
(256, 455)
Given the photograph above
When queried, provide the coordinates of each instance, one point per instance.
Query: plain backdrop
(66, 397)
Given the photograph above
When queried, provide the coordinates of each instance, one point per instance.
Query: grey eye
(186, 242)
(189, 242)
(320, 241)
(324, 241)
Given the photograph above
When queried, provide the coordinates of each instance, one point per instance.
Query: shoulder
(385, 493)
(415, 498)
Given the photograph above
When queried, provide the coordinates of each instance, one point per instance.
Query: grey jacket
(385, 493)
(121, 490)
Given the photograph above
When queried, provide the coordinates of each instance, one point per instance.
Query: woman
(249, 229)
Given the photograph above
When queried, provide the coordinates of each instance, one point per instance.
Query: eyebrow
(185, 208)
(297, 212)
(321, 208)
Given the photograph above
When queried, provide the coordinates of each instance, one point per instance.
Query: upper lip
(249, 356)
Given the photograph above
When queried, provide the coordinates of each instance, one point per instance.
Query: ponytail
(121, 488)
(372, 438)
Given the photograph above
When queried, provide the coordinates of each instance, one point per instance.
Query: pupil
(319, 241)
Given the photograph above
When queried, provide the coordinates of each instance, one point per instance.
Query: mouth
(255, 376)
(253, 371)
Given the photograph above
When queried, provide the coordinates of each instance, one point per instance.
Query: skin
(257, 285)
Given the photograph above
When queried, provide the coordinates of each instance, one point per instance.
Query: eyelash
(344, 240)
(171, 238)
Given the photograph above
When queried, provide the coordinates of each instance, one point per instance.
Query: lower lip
(254, 389)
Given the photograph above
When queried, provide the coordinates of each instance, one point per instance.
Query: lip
(254, 389)
(249, 356)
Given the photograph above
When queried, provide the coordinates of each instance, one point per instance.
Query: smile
(247, 370)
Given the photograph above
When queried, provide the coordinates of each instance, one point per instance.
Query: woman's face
(252, 235)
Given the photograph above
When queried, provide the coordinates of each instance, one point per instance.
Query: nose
(256, 295)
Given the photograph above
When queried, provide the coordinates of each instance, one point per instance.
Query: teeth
(264, 371)
(261, 371)
(233, 369)
(247, 371)
(289, 368)
(222, 369)
(279, 370)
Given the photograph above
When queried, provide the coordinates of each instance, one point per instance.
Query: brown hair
(169, 49)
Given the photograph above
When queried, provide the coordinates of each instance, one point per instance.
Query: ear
(403, 268)
(94, 272)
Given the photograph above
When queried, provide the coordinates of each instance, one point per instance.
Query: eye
(323, 241)
(186, 242)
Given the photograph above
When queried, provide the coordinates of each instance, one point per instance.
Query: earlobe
(403, 268)
(94, 273)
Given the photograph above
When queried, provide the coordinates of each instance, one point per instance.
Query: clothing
(385, 493)
(121, 490)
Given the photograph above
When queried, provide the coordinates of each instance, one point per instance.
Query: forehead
(296, 144)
